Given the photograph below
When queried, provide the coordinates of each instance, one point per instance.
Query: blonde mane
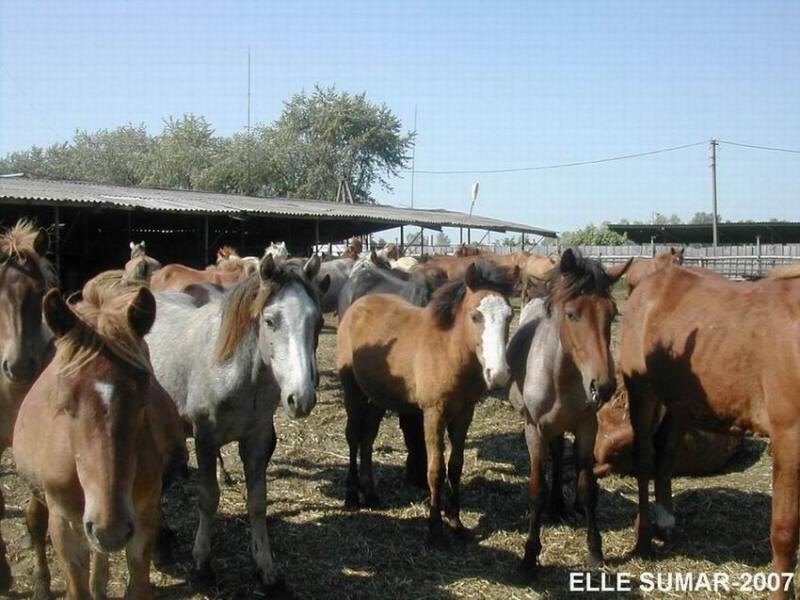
(17, 245)
(104, 326)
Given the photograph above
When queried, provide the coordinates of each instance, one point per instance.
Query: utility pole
(413, 156)
(249, 144)
(714, 217)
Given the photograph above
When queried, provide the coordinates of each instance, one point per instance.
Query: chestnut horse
(642, 267)
(25, 276)
(176, 278)
(719, 355)
(438, 359)
(562, 373)
(94, 436)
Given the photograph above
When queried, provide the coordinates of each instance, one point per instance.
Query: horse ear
(42, 242)
(311, 268)
(142, 244)
(680, 255)
(142, 312)
(672, 251)
(131, 245)
(57, 314)
(472, 277)
(569, 261)
(325, 284)
(619, 270)
(266, 268)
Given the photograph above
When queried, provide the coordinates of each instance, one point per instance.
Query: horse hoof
(665, 534)
(351, 501)
(371, 501)
(204, 576)
(457, 529)
(272, 582)
(644, 550)
(437, 540)
(525, 573)
(5, 577)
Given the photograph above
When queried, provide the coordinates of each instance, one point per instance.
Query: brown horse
(455, 266)
(562, 373)
(140, 267)
(176, 278)
(642, 267)
(716, 355)
(25, 276)
(354, 249)
(93, 438)
(533, 273)
(437, 360)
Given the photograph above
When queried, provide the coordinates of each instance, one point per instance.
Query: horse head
(579, 298)
(104, 383)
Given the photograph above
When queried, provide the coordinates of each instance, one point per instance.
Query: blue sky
(497, 85)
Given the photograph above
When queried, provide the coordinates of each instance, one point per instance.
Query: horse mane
(17, 244)
(447, 299)
(243, 304)
(103, 312)
(227, 252)
(587, 278)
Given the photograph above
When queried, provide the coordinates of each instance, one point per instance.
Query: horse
(700, 452)
(25, 348)
(140, 267)
(418, 287)
(176, 277)
(642, 267)
(717, 355)
(438, 360)
(562, 371)
(228, 365)
(337, 270)
(94, 436)
(533, 273)
(277, 251)
(404, 263)
(465, 250)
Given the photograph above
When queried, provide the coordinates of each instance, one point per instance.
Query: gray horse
(227, 366)
(338, 270)
(562, 372)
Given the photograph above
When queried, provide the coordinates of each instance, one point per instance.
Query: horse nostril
(129, 535)
(291, 401)
(6, 369)
(89, 528)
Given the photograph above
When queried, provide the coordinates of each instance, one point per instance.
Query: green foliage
(592, 235)
(442, 239)
(702, 218)
(320, 139)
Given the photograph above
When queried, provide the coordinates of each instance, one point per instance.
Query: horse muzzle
(600, 393)
(108, 539)
(496, 378)
(19, 371)
(300, 405)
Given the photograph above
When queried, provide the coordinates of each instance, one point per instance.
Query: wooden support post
(469, 235)
(316, 236)
(205, 240)
(523, 241)
(758, 255)
(421, 241)
(57, 217)
(402, 242)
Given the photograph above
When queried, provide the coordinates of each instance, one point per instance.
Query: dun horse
(228, 365)
(439, 359)
(717, 355)
(642, 267)
(25, 276)
(93, 438)
(562, 372)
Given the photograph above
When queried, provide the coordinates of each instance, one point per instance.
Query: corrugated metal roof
(46, 191)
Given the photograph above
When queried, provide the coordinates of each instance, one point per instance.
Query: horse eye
(477, 317)
(572, 316)
(270, 322)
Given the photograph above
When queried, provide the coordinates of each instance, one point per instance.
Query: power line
(563, 165)
(770, 148)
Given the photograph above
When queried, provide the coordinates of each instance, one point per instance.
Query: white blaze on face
(105, 390)
(293, 360)
(496, 313)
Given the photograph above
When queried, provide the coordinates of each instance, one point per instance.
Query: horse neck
(246, 360)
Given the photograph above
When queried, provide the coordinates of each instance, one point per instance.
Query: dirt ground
(326, 551)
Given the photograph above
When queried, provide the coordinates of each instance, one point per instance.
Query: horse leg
(457, 432)
(587, 486)
(36, 516)
(666, 442)
(537, 494)
(785, 503)
(207, 502)
(355, 403)
(5, 570)
(642, 406)
(555, 499)
(98, 578)
(417, 460)
(253, 451)
(70, 546)
(371, 425)
(139, 551)
(433, 420)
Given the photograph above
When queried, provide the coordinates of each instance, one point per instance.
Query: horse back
(718, 351)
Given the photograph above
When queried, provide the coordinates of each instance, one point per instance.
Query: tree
(442, 239)
(328, 136)
(703, 218)
(591, 235)
(660, 219)
(182, 153)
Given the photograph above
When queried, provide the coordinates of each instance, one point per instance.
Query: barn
(92, 223)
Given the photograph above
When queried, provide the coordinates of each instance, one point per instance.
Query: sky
(496, 85)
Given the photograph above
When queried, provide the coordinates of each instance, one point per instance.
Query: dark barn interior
(96, 223)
